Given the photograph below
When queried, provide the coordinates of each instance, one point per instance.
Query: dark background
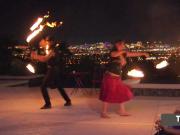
(100, 20)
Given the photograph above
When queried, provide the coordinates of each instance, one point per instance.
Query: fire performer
(53, 77)
(113, 90)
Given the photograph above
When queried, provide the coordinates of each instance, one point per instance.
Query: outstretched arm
(117, 53)
(41, 58)
(134, 54)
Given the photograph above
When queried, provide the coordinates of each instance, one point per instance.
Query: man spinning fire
(53, 77)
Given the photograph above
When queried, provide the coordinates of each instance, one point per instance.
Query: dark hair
(118, 41)
(114, 48)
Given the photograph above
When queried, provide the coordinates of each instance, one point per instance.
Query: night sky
(100, 20)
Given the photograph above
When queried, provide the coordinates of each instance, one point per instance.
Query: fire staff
(53, 77)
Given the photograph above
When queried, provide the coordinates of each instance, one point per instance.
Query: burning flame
(136, 73)
(54, 24)
(30, 68)
(46, 16)
(36, 24)
(162, 64)
(47, 49)
(34, 33)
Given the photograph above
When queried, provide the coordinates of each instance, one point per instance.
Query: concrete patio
(20, 114)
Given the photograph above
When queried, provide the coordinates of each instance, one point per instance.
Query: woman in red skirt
(113, 90)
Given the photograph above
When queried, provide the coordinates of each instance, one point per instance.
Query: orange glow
(34, 33)
(36, 24)
(136, 73)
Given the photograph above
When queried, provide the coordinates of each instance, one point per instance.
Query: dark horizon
(92, 21)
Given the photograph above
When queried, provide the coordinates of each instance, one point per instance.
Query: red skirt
(113, 90)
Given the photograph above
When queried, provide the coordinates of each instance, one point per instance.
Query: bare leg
(122, 110)
(104, 110)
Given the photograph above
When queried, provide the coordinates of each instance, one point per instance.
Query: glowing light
(54, 24)
(47, 49)
(46, 16)
(34, 33)
(136, 73)
(36, 24)
(30, 68)
(162, 64)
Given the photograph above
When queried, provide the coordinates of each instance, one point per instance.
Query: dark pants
(53, 79)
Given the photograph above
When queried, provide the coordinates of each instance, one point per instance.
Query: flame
(54, 24)
(162, 64)
(34, 33)
(136, 73)
(30, 68)
(47, 49)
(36, 24)
(46, 16)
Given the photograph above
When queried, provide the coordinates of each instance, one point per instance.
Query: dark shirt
(54, 60)
(114, 65)
(57, 62)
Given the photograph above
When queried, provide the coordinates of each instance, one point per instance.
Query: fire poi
(135, 73)
(162, 64)
(30, 68)
(36, 29)
(39, 25)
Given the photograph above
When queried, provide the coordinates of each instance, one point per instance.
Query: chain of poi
(39, 25)
(36, 29)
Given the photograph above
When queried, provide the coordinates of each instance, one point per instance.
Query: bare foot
(123, 113)
(105, 116)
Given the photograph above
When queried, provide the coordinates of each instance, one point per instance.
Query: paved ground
(20, 114)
